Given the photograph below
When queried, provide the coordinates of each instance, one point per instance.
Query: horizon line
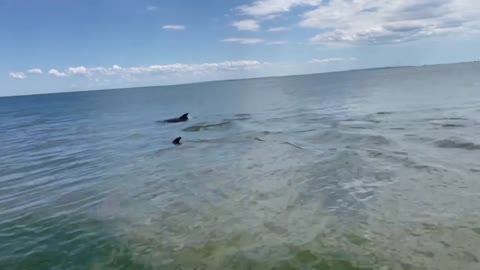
(240, 79)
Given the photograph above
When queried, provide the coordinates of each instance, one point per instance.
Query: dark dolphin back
(182, 118)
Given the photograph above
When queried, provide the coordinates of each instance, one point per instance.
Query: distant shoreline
(243, 79)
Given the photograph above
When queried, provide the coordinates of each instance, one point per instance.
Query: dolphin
(182, 118)
(177, 141)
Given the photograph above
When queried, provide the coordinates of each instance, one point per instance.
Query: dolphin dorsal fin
(185, 116)
(177, 140)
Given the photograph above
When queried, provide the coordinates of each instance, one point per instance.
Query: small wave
(292, 144)
(266, 132)
(359, 127)
(135, 136)
(446, 119)
(455, 118)
(357, 124)
(384, 113)
(207, 126)
(399, 157)
(159, 151)
(221, 140)
(346, 180)
(452, 125)
(237, 119)
(303, 130)
(349, 138)
(456, 142)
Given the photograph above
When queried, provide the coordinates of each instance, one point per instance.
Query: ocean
(367, 169)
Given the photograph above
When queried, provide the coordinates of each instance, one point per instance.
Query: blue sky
(61, 45)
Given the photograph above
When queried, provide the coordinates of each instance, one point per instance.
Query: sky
(67, 45)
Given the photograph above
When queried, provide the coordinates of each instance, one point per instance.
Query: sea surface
(369, 169)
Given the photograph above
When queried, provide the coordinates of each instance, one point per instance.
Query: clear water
(376, 169)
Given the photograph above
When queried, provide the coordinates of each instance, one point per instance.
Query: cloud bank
(373, 21)
(332, 60)
(164, 70)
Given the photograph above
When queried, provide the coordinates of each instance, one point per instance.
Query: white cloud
(332, 60)
(246, 25)
(374, 21)
(35, 71)
(104, 70)
(151, 8)
(128, 72)
(271, 7)
(97, 77)
(179, 68)
(379, 21)
(244, 40)
(17, 75)
(278, 29)
(174, 27)
(56, 73)
(77, 71)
